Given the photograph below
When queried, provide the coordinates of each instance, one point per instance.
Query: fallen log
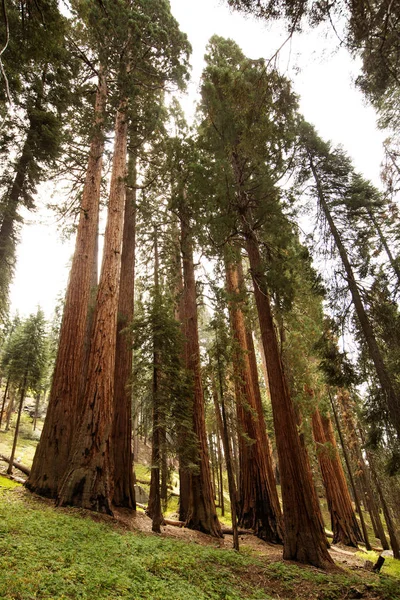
(17, 465)
(240, 532)
(174, 523)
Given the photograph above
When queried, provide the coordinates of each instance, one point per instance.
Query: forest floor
(53, 553)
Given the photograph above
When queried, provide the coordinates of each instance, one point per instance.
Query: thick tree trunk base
(85, 488)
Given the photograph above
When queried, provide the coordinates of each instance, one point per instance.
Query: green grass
(52, 554)
(27, 440)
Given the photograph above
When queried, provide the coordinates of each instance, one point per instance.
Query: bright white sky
(322, 75)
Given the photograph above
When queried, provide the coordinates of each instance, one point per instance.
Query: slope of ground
(60, 554)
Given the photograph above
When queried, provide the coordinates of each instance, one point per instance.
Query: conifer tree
(249, 116)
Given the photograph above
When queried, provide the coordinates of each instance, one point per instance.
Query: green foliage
(54, 554)
(25, 355)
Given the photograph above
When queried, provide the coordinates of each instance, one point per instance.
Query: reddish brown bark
(363, 471)
(305, 539)
(201, 511)
(259, 507)
(343, 520)
(51, 457)
(89, 479)
(124, 491)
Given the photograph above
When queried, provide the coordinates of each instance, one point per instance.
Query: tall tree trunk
(224, 431)
(201, 511)
(65, 402)
(124, 491)
(350, 474)
(154, 505)
(259, 507)
(89, 480)
(22, 393)
(391, 395)
(343, 520)
(363, 471)
(305, 539)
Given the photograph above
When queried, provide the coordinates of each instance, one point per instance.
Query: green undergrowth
(49, 554)
(390, 566)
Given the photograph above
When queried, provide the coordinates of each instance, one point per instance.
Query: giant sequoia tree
(249, 118)
(154, 51)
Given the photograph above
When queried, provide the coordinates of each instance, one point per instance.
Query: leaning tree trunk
(52, 454)
(305, 539)
(21, 402)
(259, 507)
(89, 479)
(391, 395)
(4, 400)
(201, 511)
(344, 523)
(124, 491)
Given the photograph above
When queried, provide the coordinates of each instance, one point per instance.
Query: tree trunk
(154, 506)
(350, 474)
(305, 539)
(202, 515)
(4, 400)
(21, 402)
(65, 401)
(392, 399)
(89, 479)
(259, 507)
(224, 431)
(35, 416)
(10, 408)
(124, 491)
(363, 471)
(343, 520)
(394, 542)
(384, 243)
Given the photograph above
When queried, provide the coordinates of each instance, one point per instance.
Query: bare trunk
(4, 400)
(65, 402)
(89, 480)
(305, 539)
(201, 511)
(259, 507)
(124, 491)
(35, 416)
(154, 506)
(21, 402)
